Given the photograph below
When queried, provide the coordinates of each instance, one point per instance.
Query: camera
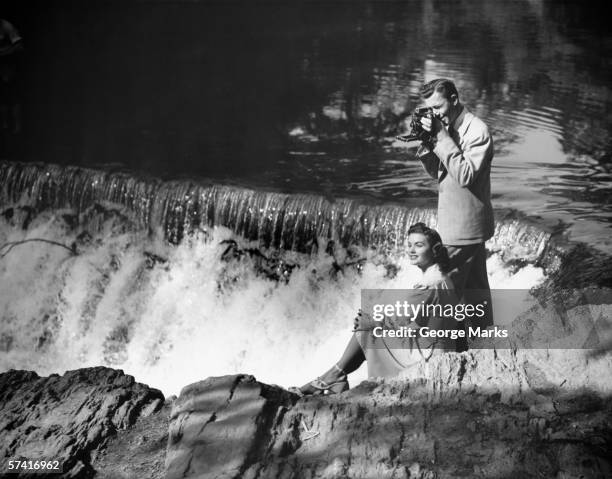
(417, 132)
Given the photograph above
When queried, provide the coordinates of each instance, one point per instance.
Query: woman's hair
(440, 253)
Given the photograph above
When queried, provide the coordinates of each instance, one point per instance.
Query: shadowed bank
(484, 414)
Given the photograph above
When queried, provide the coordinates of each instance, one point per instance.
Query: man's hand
(435, 127)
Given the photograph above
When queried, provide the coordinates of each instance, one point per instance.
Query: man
(459, 156)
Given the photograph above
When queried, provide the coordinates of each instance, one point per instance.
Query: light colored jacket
(462, 166)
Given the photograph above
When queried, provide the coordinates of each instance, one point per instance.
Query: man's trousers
(468, 272)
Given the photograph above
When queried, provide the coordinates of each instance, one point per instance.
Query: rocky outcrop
(68, 418)
(479, 414)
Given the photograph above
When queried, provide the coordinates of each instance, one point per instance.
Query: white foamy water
(181, 321)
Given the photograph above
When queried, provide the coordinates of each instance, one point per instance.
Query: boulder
(68, 418)
(220, 426)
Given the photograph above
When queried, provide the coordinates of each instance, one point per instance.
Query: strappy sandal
(319, 386)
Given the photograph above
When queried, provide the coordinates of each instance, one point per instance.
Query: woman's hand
(363, 321)
(356, 320)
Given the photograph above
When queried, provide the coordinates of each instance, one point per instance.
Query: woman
(385, 357)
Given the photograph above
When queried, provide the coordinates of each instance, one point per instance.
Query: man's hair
(443, 85)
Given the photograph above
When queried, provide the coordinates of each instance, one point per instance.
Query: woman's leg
(351, 359)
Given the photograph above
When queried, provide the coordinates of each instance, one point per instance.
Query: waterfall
(284, 221)
(143, 283)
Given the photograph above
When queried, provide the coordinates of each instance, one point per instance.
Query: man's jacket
(462, 166)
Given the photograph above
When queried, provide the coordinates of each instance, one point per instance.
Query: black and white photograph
(310, 239)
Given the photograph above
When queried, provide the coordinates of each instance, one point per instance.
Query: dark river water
(308, 96)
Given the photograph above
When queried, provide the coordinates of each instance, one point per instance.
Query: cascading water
(176, 281)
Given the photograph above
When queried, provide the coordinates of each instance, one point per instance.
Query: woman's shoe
(320, 386)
